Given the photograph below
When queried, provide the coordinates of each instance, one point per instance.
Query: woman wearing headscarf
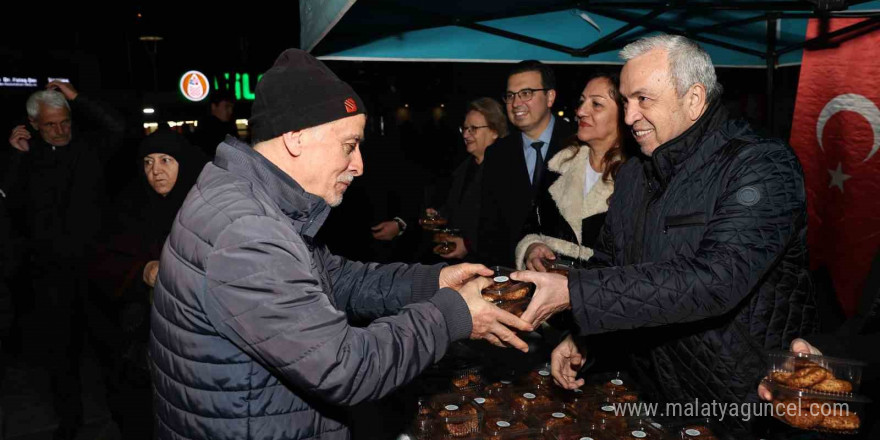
(126, 265)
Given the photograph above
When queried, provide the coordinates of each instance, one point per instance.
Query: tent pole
(771, 71)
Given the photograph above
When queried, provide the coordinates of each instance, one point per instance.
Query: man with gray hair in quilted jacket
(703, 254)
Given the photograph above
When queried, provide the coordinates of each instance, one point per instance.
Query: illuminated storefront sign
(239, 83)
(18, 81)
(194, 86)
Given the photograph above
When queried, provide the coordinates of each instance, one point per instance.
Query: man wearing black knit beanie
(250, 334)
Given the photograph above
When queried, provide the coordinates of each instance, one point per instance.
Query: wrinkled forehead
(50, 113)
(351, 127)
(646, 72)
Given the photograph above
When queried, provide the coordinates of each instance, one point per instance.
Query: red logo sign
(350, 106)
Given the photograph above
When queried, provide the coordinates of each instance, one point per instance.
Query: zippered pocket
(679, 221)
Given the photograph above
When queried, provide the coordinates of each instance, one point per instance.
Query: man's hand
(151, 271)
(535, 255)
(386, 231)
(490, 322)
(19, 138)
(460, 249)
(65, 88)
(797, 346)
(456, 276)
(551, 295)
(565, 361)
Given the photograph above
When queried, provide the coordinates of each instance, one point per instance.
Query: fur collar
(568, 189)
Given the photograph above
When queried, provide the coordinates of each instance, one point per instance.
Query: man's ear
(293, 142)
(695, 100)
(34, 123)
(551, 98)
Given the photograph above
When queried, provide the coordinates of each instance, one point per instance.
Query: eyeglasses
(470, 130)
(525, 95)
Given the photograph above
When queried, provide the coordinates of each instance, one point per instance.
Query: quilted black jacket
(704, 245)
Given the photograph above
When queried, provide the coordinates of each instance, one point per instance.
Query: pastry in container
(817, 411)
(524, 400)
(819, 374)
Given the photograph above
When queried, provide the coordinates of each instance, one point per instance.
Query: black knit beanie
(300, 92)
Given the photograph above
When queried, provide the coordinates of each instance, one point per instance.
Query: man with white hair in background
(55, 192)
(703, 254)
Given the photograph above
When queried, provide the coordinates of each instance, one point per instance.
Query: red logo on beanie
(350, 106)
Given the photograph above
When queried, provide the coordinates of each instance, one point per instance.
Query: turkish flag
(836, 134)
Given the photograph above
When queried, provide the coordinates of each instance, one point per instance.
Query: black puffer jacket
(705, 244)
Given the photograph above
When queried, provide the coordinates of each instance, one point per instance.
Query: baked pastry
(841, 422)
(807, 416)
(625, 397)
(489, 402)
(780, 376)
(458, 420)
(540, 376)
(614, 386)
(527, 401)
(833, 386)
(515, 308)
(807, 377)
(497, 427)
(504, 289)
(465, 380)
(555, 420)
(804, 363)
(515, 294)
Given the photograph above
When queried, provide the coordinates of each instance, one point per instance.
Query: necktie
(539, 165)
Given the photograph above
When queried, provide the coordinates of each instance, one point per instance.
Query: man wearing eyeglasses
(515, 168)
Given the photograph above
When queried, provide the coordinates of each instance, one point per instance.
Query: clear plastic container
(422, 427)
(503, 424)
(446, 234)
(617, 386)
(432, 223)
(455, 416)
(551, 419)
(820, 374)
(505, 289)
(556, 266)
(817, 411)
(515, 308)
(539, 377)
(445, 248)
(492, 399)
(526, 400)
(467, 379)
(579, 401)
(607, 415)
(642, 428)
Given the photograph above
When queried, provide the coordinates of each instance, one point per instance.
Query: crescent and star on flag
(853, 103)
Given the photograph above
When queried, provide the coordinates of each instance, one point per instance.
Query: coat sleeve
(367, 291)
(261, 294)
(741, 243)
(493, 232)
